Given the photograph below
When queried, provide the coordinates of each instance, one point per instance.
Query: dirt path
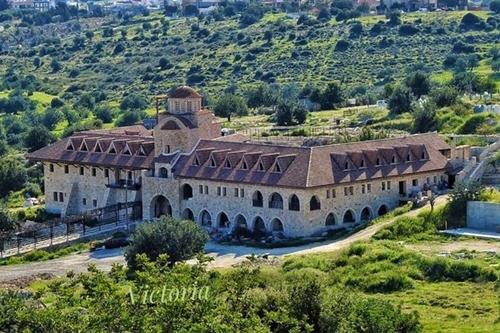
(224, 255)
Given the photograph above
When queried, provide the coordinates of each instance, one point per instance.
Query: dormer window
(408, 158)
(212, 163)
(277, 168)
(423, 155)
(112, 150)
(98, 148)
(70, 146)
(84, 147)
(377, 163)
(126, 151)
(362, 163)
(196, 161)
(227, 164)
(142, 152)
(244, 165)
(261, 167)
(346, 166)
(393, 160)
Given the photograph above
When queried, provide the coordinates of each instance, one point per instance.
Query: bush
(180, 240)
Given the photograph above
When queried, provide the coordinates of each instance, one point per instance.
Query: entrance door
(402, 187)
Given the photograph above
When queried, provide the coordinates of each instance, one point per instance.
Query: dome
(184, 92)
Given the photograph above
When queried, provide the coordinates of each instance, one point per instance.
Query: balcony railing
(127, 184)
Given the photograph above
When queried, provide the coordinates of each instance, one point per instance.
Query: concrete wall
(483, 215)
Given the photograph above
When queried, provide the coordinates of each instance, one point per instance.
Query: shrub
(180, 240)
(341, 45)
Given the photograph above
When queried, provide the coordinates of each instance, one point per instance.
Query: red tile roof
(313, 166)
(184, 92)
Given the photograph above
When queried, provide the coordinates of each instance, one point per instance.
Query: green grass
(43, 255)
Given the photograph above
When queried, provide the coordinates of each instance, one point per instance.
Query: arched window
(277, 225)
(187, 192)
(349, 217)
(330, 220)
(293, 203)
(259, 227)
(314, 203)
(187, 214)
(223, 221)
(382, 210)
(366, 214)
(257, 199)
(161, 206)
(163, 172)
(241, 222)
(205, 219)
(276, 201)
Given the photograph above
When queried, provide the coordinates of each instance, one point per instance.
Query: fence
(59, 231)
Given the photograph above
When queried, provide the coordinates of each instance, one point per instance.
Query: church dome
(184, 92)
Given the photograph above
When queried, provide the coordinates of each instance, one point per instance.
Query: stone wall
(483, 216)
(295, 223)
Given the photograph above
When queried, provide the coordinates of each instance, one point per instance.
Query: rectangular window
(224, 191)
(242, 192)
(334, 193)
(106, 173)
(206, 189)
(346, 191)
(328, 194)
(414, 182)
(129, 175)
(55, 196)
(94, 203)
(236, 192)
(435, 179)
(94, 172)
(363, 188)
(351, 190)
(201, 189)
(82, 171)
(218, 191)
(61, 197)
(383, 186)
(66, 169)
(84, 201)
(369, 188)
(51, 167)
(389, 185)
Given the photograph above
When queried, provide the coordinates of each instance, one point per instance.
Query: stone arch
(171, 124)
(188, 214)
(330, 220)
(163, 172)
(223, 221)
(187, 192)
(259, 225)
(382, 210)
(160, 206)
(314, 203)
(240, 221)
(276, 201)
(205, 218)
(277, 225)
(366, 214)
(349, 217)
(293, 203)
(257, 199)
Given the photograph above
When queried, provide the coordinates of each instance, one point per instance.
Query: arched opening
(314, 203)
(205, 219)
(293, 203)
(277, 225)
(163, 172)
(276, 201)
(330, 220)
(241, 222)
(187, 192)
(382, 210)
(349, 217)
(161, 206)
(366, 214)
(187, 214)
(223, 221)
(170, 125)
(257, 199)
(259, 227)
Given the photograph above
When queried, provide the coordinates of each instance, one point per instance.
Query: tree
(444, 96)
(38, 137)
(425, 117)
(268, 36)
(401, 100)
(495, 6)
(7, 222)
(13, 174)
(456, 208)
(163, 63)
(419, 83)
(133, 102)
(52, 117)
(332, 96)
(4, 4)
(56, 103)
(180, 240)
(104, 114)
(55, 65)
(228, 105)
(290, 113)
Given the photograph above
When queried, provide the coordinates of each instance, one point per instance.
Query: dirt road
(224, 255)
